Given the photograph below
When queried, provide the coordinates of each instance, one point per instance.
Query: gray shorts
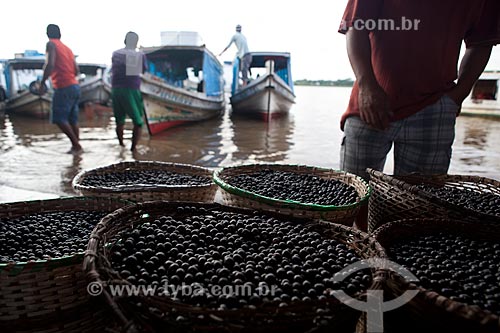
(245, 65)
(422, 142)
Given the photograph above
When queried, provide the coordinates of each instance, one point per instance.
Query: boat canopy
(485, 89)
(175, 64)
(282, 65)
(13, 66)
(91, 69)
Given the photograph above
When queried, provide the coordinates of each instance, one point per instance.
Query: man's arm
(228, 45)
(77, 68)
(472, 65)
(50, 61)
(372, 100)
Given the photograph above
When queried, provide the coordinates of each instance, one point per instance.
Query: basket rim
(402, 183)
(268, 200)
(447, 303)
(57, 261)
(76, 182)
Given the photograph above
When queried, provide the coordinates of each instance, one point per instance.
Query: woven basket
(297, 317)
(49, 295)
(397, 198)
(234, 196)
(430, 311)
(148, 192)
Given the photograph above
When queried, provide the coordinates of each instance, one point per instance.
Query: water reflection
(475, 150)
(7, 135)
(259, 141)
(70, 171)
(33, 152)
(199, 143)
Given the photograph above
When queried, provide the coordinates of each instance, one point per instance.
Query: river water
(34, 163)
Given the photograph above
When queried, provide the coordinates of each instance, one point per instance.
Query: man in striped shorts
(404, 57)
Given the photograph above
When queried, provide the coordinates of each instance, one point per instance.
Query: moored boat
(183, 84)
(19, 73)
(484, 97)
(269, 92)
(93, 88)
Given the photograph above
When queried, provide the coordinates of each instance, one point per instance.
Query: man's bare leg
(119, 133)
(136, 135)
(70, 133)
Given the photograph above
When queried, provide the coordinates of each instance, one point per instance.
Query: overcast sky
(93, 29)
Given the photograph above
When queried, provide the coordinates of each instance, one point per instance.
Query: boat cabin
(486, 87)
(262, 64)
(485, 90)
(3, 93)
(91, 70)
(192, 68)
(21, 71)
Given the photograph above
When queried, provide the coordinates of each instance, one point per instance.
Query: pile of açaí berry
(144, 177)
(41, 236)
(298, 187)
(458, 267)
(281, 262)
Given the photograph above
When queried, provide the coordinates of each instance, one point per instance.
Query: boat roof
(86, 64)
(259, 59)
(270, 54)
(26, 63)
(490, 75)
(180, 48)
(152, 49)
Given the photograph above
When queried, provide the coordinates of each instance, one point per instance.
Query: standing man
(127, 65)
(407, 91)
(60, 66)
(245, 59)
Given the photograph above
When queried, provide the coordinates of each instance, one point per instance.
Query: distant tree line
(326, 83)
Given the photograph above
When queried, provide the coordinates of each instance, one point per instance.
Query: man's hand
(458, 94)
(373, 106)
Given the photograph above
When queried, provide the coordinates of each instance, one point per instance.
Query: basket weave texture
(234, 196)
(297, 317)
(430, 311)
(48, 295)
(398, 198)
(149, 192)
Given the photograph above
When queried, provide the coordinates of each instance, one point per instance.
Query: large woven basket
(234, 196)
(297, 317)
(49, 295)
(430, 311)
(148, 192)
(396, 198)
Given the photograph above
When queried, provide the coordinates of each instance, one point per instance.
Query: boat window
(485, 90)
(23, 77)
(180, 68)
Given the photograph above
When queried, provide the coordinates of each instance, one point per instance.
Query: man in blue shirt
(245, 59)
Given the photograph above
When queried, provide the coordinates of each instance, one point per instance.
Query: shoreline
(11, 194)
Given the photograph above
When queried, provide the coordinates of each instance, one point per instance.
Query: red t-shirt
(415, 67)
(64, 73)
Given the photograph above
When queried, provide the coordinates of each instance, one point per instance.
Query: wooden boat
(183, 84)
(484, 99)
(19, 73)
(93, 88)
(269, 92)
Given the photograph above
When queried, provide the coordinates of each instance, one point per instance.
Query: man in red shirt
(61, 66)
(404, 55)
